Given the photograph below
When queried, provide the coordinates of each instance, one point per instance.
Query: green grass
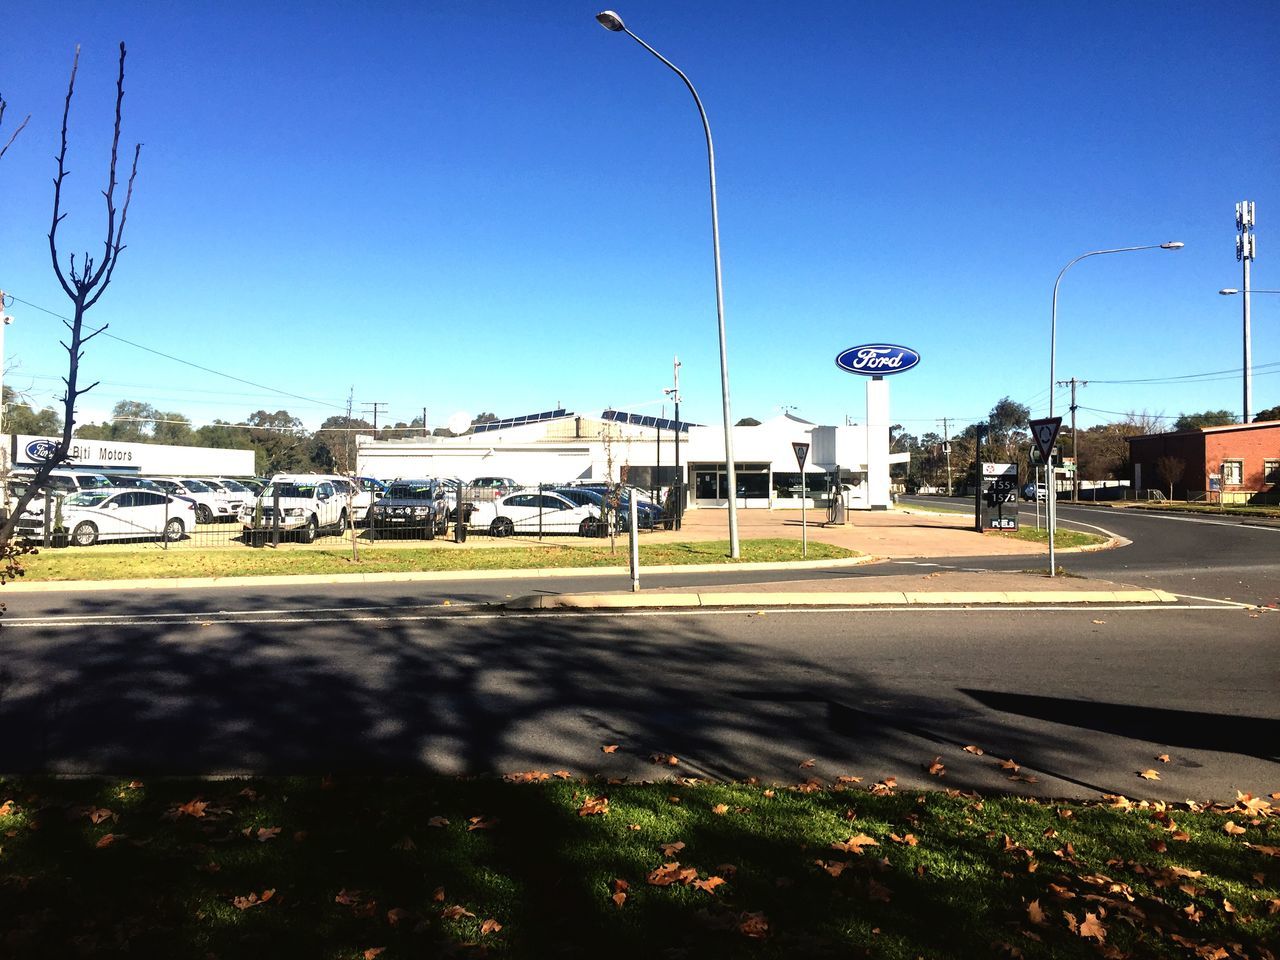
(1062, 539)
(356, 865)
(93, 564)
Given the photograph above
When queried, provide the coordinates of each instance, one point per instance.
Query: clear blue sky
(501, 206)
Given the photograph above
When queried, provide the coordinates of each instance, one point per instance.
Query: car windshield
(94, 482)
(235, 487)
(300, 491)
(410, 491)
(195, 486)
(94, 498)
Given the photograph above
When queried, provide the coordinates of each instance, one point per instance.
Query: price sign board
(997, 500)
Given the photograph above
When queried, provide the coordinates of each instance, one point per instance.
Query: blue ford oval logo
(41, 449)
(877, 359)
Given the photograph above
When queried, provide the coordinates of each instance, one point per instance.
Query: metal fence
(147, 520)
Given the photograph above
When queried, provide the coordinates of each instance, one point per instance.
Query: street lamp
(1053, 353)
(612, 22)
(1248, 350)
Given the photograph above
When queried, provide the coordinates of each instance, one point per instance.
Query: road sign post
(1045, 433)
(802, 454)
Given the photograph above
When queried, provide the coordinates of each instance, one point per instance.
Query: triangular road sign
(802, 453)
(1045, 434)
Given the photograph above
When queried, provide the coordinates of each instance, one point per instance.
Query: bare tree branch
(14, 137)
(83, 287)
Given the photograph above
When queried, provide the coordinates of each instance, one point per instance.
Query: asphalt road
(1082, 699)
(1221, 558)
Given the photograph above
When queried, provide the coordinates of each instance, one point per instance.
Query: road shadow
(1190, 729)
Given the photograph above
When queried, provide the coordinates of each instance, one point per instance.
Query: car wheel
(342, 522)
(429, 531)
(310, 531)
(173, 530)
(502, 527)
(84, 535)
(444, 528)
(203, 514)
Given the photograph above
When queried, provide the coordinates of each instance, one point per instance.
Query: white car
(308, 504)
(211, 504)
(112, 513)
(360, 498)
(235, 495)
(536, 513)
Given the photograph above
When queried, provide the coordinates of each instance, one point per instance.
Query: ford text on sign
(877, 359)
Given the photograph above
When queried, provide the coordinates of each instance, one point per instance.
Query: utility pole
(351, 437)
(946, 448)
(1075, 441)
(678, 487)
(375, 407)
(424, 423)
(1245, 250)
(5, 320)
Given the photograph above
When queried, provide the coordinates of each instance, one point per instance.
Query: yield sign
(802, 453)
(1045, 433)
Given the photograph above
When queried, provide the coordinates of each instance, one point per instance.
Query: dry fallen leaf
(754, 925)
(1149, 774)
(609, 748)
(908, 839)
(455, 912)
(1232, 828)
(594, 806)
(438, 895)
(267, 833)
(936, 769)
(1092, 927)
(976, 751)
(671, 849)
(437, 822)
(619, 899)
(855, 844)
(193, 808)
(1034, 913)
(1163, 757)
(252, 900)
(490, 926)
(481, 823)
(720, 809)
(1008, 765)
(1099, 621)
(373, 952)
(708, 885)
(807, 763)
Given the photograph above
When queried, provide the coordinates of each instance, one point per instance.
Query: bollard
(635, 544)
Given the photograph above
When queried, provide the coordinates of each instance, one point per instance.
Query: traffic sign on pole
(1045, 433)
(802, 453)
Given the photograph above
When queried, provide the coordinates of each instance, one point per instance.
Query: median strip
(613, 601)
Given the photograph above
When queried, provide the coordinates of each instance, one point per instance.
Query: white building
(557, 446)
(141, 459)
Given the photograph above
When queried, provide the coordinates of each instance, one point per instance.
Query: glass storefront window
(786, 486)
(705, 485)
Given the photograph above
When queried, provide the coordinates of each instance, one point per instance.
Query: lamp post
(1247, 410)
(612, 22)
(677, 488)
(1052, 518)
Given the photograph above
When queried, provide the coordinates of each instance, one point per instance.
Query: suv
(493, 487)
(413, 507)
(308, 504)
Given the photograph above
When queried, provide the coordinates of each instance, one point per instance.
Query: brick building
(1245, 456)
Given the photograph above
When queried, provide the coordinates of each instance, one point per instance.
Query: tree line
(280, 442)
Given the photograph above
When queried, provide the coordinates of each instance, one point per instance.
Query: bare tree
(84, 285)
(1170, 470)
(8, 143)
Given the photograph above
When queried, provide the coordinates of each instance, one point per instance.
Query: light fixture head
(1228, 291)
(611, 21)
(1172, 245)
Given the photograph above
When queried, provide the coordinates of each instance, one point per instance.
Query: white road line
(212, 619)
(1214, 523)
(1229, 603)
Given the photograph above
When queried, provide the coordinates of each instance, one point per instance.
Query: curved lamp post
(611, 21)
(1053, 353)
(1248, 347)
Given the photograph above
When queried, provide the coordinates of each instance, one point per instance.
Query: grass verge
(1230, 511)
(1062, 540)
(75, 564)
(431, 867)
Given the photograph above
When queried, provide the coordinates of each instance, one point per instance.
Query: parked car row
(87, 506)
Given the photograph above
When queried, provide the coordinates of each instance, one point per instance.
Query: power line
(197, 366)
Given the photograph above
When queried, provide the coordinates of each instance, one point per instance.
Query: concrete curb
(620, 601)
(412, 576)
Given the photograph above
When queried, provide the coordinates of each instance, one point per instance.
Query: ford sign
(41, 449)
(877, 359)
